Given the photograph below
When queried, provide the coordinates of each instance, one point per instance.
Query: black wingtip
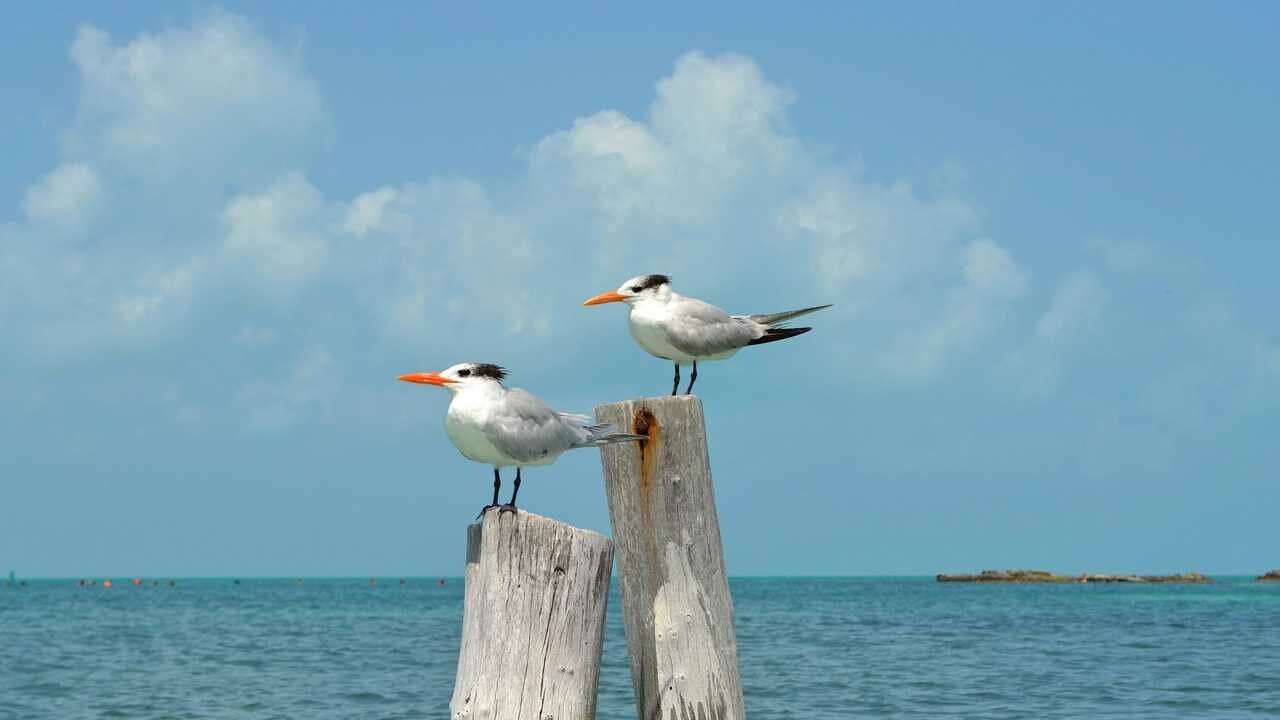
(775, 334)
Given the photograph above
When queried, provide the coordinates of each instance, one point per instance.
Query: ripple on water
(820, 649)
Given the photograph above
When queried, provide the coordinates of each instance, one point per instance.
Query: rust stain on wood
(644, 423)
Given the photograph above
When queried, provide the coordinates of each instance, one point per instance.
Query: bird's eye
(636, 288)
(464, 373)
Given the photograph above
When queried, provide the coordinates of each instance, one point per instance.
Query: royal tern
(499, 426)
(685, 330)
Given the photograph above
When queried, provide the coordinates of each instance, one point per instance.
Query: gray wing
(702, 329)
(526, 429)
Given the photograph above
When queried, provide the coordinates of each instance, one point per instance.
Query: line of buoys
(136, 582)
(139, 582)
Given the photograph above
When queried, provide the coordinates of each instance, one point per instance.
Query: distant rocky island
(1044, 576)
(1273, 576)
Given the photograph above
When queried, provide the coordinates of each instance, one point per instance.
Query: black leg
(497, 483)
(511, 506)
(676, 385)
(692, 378)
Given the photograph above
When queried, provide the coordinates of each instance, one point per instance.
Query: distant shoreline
(1044, 576)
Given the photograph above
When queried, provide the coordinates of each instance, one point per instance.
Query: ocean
(810, 648)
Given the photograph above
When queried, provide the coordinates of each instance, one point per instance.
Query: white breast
(644, 322)
(462, 424)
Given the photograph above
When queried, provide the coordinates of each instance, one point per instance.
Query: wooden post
(533, 625)
(675, 594)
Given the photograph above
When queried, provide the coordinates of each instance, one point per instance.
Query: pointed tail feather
(776, 334)
(606, 434)
(775, 318)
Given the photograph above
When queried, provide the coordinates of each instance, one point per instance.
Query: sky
(1049, 231)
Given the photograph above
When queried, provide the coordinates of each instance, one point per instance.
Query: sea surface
(810, 648)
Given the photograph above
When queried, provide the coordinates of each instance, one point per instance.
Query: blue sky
(1049, 231)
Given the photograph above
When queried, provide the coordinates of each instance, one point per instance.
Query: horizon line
(461, 577)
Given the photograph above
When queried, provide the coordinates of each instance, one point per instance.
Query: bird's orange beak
(429, 378)
(603, 298)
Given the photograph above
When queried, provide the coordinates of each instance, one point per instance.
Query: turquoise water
(810, 648)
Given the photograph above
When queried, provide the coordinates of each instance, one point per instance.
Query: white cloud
(714, 166)
(1075, 315)
(65, 199)
(872, 239)
(447, 260)
(723, 112)
(991, 280)
(1076, 309)
(168, 121)
(213, 98)
(990, 270)
(715, 123)
(159, 291)
(365, 212)
(710, 182)
(1225, 366)
(281, 233)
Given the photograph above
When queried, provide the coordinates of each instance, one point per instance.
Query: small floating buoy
(137, 582)
(106, 583)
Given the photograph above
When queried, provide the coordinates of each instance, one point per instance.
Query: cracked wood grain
(676, 606)
(533, 624)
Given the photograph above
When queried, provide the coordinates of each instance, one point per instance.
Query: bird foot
(486, 509)
(507, 508)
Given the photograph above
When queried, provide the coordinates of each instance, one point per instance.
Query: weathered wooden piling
(533, 626)
(675, 593)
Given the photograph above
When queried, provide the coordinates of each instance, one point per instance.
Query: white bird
(499, 426)
(684, 329)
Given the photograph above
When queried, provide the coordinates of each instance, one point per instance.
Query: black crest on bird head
(488, 370)
(653, 281)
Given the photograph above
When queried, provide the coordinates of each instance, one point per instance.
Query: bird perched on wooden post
(499, 426)
(685, 330)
